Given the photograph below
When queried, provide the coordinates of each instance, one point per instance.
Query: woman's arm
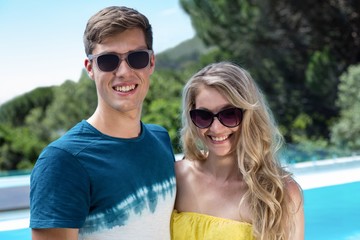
(296, 196)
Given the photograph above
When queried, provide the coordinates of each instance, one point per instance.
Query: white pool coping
(309, 175)
(14, 181)
(13, 220)
(327, 172)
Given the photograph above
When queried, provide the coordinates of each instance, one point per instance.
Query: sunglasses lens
(108, 62)
(138, 60)
(230, 117)
(201, 118)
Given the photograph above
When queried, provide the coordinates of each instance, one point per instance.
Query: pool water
(19, 234)
(331, 213)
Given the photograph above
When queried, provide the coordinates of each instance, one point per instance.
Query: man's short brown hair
(112, 20)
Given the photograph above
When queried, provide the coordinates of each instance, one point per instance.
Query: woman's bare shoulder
(297, 202)
(183, 167)
(294, 190)
(185, 183)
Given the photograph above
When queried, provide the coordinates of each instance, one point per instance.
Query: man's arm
(55, 234)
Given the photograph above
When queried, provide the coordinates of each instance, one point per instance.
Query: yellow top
(196, 226)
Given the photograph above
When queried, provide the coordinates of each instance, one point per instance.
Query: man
(110, 176)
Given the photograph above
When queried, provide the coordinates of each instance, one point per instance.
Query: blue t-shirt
(109, 188)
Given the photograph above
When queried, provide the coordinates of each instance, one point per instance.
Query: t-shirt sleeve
(59, 191)
(164, 136)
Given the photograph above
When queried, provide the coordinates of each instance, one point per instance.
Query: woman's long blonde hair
(257, 144)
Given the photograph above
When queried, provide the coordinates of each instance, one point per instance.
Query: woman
(230, 184)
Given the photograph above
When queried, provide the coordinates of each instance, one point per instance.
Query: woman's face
(217, 137)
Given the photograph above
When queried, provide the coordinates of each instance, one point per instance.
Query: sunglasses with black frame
(230, 117)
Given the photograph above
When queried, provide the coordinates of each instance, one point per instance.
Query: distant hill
(182, 55)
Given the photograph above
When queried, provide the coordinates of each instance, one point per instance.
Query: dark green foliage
(346, 131)
(15, 111)
(294, 51)
(19, 147)
(30, 121)
(73, 101)
(163, 103)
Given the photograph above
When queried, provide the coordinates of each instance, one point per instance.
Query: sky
(41, 40)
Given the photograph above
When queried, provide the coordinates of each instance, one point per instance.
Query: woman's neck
(221, 168)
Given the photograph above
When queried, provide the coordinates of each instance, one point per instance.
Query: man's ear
(152, 62)
(89, 68)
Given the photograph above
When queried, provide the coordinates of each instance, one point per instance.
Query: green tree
(15, 111)
(290, 47)
(73, 101)
(163, 103)
(30, 121)
(346, 131)
(19, 147)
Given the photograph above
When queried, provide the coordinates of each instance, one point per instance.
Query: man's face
(124, 89)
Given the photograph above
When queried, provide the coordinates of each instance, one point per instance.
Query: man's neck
(118, 125)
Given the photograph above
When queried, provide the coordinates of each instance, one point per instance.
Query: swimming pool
(331, 213)
(23, 234)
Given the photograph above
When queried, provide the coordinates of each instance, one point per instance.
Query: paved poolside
(327, 172)
(14, 191)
